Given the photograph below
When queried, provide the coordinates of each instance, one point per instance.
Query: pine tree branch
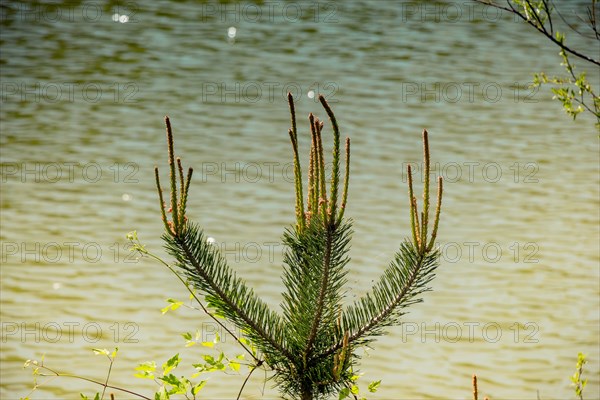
(335, 173)
(293, 132)
(304, 265)
(324, 283)
(208, 282)
(402, 281)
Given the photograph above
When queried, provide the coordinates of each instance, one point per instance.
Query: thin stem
(160, 198)
(540, 29)
(107, 377)
(297, 170)
(548, 11)
(425, 218)
(417, 226)
(173, 176)
(311, 178)
(67, 375)
(335, 173)
(181, 178)
(413, 223)
(185, 193)
(297, 182)
(437, 214)
(193, 294)
(346, 180)
(317, 163)
(254, 367)
(592, 19)
(537, 17)
(322, 191)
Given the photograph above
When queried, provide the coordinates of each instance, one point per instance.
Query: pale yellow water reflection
(83, 100)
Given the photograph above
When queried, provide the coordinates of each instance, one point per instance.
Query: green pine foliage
(311, 346)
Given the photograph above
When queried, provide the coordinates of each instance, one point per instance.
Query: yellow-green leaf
(101, 351)
(234, 366)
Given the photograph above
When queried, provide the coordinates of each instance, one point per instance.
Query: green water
(83, 100)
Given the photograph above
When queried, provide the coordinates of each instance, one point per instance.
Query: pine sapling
(311, 345)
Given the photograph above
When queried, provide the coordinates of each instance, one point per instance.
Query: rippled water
(83, 97)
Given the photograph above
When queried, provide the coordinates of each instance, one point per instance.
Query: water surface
(83, 98)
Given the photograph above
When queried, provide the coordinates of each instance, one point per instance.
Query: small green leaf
(196, 374)
(373, 386)
(187, 336)
(146, 370)
(175, 304)
(198, 387)
(148, 366)
(161, 394)
(244, 341)
(144, 375)
(101, 351)
(171, 364)
(344, 393)
(171, 380)
(234, 366)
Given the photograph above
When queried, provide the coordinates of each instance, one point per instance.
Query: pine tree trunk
(307, 394)
(306, 391)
